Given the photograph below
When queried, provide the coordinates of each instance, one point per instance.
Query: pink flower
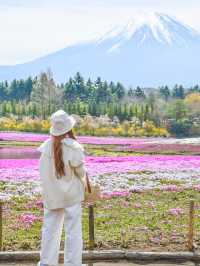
(137, 205)
(156, 240)
(106, 196)
(176, 211)
(115, 194)
(151, 204)
(125, 204)
(172, 188)
(28, 219)
(39, 204)
(197, 187)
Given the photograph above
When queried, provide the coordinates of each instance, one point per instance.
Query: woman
(62, 173)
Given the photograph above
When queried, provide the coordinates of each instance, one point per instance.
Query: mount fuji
(149, 50)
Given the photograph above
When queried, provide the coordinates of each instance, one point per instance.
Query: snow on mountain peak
(155, 26)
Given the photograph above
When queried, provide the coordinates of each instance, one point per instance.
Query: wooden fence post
(191, 227)
(1, 224)
(91, 227)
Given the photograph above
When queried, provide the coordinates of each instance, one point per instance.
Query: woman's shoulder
(45, 146)
(73, 144)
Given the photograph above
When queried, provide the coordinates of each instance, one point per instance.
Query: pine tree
(165, 92)
(139, 93)
(130, 92)
(178, 92)
(120, 91)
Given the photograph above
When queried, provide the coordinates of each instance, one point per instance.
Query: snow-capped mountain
(148, 50)
(156, 27)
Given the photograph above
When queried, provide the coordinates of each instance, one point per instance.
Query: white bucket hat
(61, 123)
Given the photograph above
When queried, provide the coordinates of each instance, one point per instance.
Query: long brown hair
(58, 153)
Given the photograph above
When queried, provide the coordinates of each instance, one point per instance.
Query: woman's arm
(78, 164)
(80, 170)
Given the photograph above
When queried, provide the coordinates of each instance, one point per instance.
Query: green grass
(130, 222)
(12, 144)
(101, 152)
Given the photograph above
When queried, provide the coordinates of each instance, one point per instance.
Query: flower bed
(139, 145)
(112, 173)
(146, 197)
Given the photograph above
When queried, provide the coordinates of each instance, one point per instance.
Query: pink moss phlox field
(20, 153)
(119, 164)
(19, 170)
(23, 136)
(27, 169)
(132, 143)
(115, 174)
(36, 137)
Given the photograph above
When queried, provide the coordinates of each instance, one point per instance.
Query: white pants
(51, 236)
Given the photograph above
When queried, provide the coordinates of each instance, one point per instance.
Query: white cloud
(30, 29)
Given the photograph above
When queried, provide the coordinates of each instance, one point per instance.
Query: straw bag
(92, 192)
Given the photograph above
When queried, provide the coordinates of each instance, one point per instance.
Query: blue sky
(30, 29)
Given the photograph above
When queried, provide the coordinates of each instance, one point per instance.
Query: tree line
(40, 96)
(86, 91)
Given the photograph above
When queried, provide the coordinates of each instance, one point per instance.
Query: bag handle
(88, 183)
